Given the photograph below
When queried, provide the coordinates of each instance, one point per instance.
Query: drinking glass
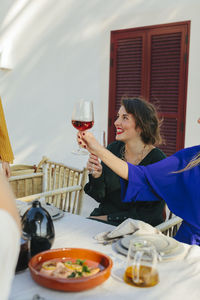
(141, 269)
(100, 136)
(82, 119)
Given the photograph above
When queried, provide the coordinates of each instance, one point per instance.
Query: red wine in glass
(82, 125)
(82, 119)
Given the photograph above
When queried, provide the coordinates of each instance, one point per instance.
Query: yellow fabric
(6, 153)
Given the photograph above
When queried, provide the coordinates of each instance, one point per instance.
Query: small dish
(91, 257)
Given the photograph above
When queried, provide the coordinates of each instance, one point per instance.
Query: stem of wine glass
(91, 171)
(100, 136)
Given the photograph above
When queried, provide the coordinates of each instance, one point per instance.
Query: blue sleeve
(179, 190)
(137, 188)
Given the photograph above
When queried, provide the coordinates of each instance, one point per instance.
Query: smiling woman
(137, 133)
(175, 179)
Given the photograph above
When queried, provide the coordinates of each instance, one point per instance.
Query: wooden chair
(170, 227)
(62, 186)
(58, 176)
(26, 180)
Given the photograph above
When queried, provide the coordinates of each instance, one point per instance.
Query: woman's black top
(107, 191)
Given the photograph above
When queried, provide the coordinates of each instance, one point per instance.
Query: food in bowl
(67, 268)
(92, 258)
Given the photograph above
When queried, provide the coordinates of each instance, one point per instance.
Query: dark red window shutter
(128, 69)
(126, 74)
(152, 62)
(167, 71)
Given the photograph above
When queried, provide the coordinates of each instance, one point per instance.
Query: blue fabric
(181, 191)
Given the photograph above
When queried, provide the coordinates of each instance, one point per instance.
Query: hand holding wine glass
(83, 119)
(94, 166)
(88, 141)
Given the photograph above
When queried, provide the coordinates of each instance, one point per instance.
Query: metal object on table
(37, 297)
(111, 241)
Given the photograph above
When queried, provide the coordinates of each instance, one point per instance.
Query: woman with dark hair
(174, 179)
(137, 133)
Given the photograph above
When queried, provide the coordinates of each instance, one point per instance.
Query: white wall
(59, 51)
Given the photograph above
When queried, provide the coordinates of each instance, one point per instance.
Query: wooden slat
(129, 66)
(50, 193)
(165, 84)
(169, 134)
(162, 69)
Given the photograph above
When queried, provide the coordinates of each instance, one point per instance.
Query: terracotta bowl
(92, 258)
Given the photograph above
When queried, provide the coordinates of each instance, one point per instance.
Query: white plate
(160, 242)
(173, 253)
(120, 248)
(177, 253)
(54, 212)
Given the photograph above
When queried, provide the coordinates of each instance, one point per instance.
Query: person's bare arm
(6, 168)
(88, 141)
(103, 218)
(7, 200)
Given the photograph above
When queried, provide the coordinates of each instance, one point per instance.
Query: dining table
(178, 279)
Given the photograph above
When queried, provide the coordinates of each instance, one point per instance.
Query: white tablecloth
(178, 279)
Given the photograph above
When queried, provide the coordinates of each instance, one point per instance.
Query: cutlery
(56, 215)
(110, 241)
(37, 297)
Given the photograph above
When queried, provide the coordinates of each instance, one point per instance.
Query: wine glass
(82, 119)
(100, 136)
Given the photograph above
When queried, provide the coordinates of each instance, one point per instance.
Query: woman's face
(125, 126)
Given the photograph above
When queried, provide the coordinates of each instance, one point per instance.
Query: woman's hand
(103, 218)
(94, 166)
(87, 140)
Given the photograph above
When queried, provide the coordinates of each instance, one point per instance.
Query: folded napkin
(132, 226)
(129, 226)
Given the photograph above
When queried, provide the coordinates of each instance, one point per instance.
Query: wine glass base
(80, 152)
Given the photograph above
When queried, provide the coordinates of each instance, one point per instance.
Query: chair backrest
(170, 227)
(61, 185)
(58, 176)
(171, 224)
(25, 180)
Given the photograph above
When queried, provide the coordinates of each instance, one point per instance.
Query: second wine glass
(82, 119)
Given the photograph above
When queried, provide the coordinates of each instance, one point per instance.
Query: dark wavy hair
(146, 119)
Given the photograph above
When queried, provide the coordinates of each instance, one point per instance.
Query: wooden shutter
(168, 47)
(126, 73)
(152, 62)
